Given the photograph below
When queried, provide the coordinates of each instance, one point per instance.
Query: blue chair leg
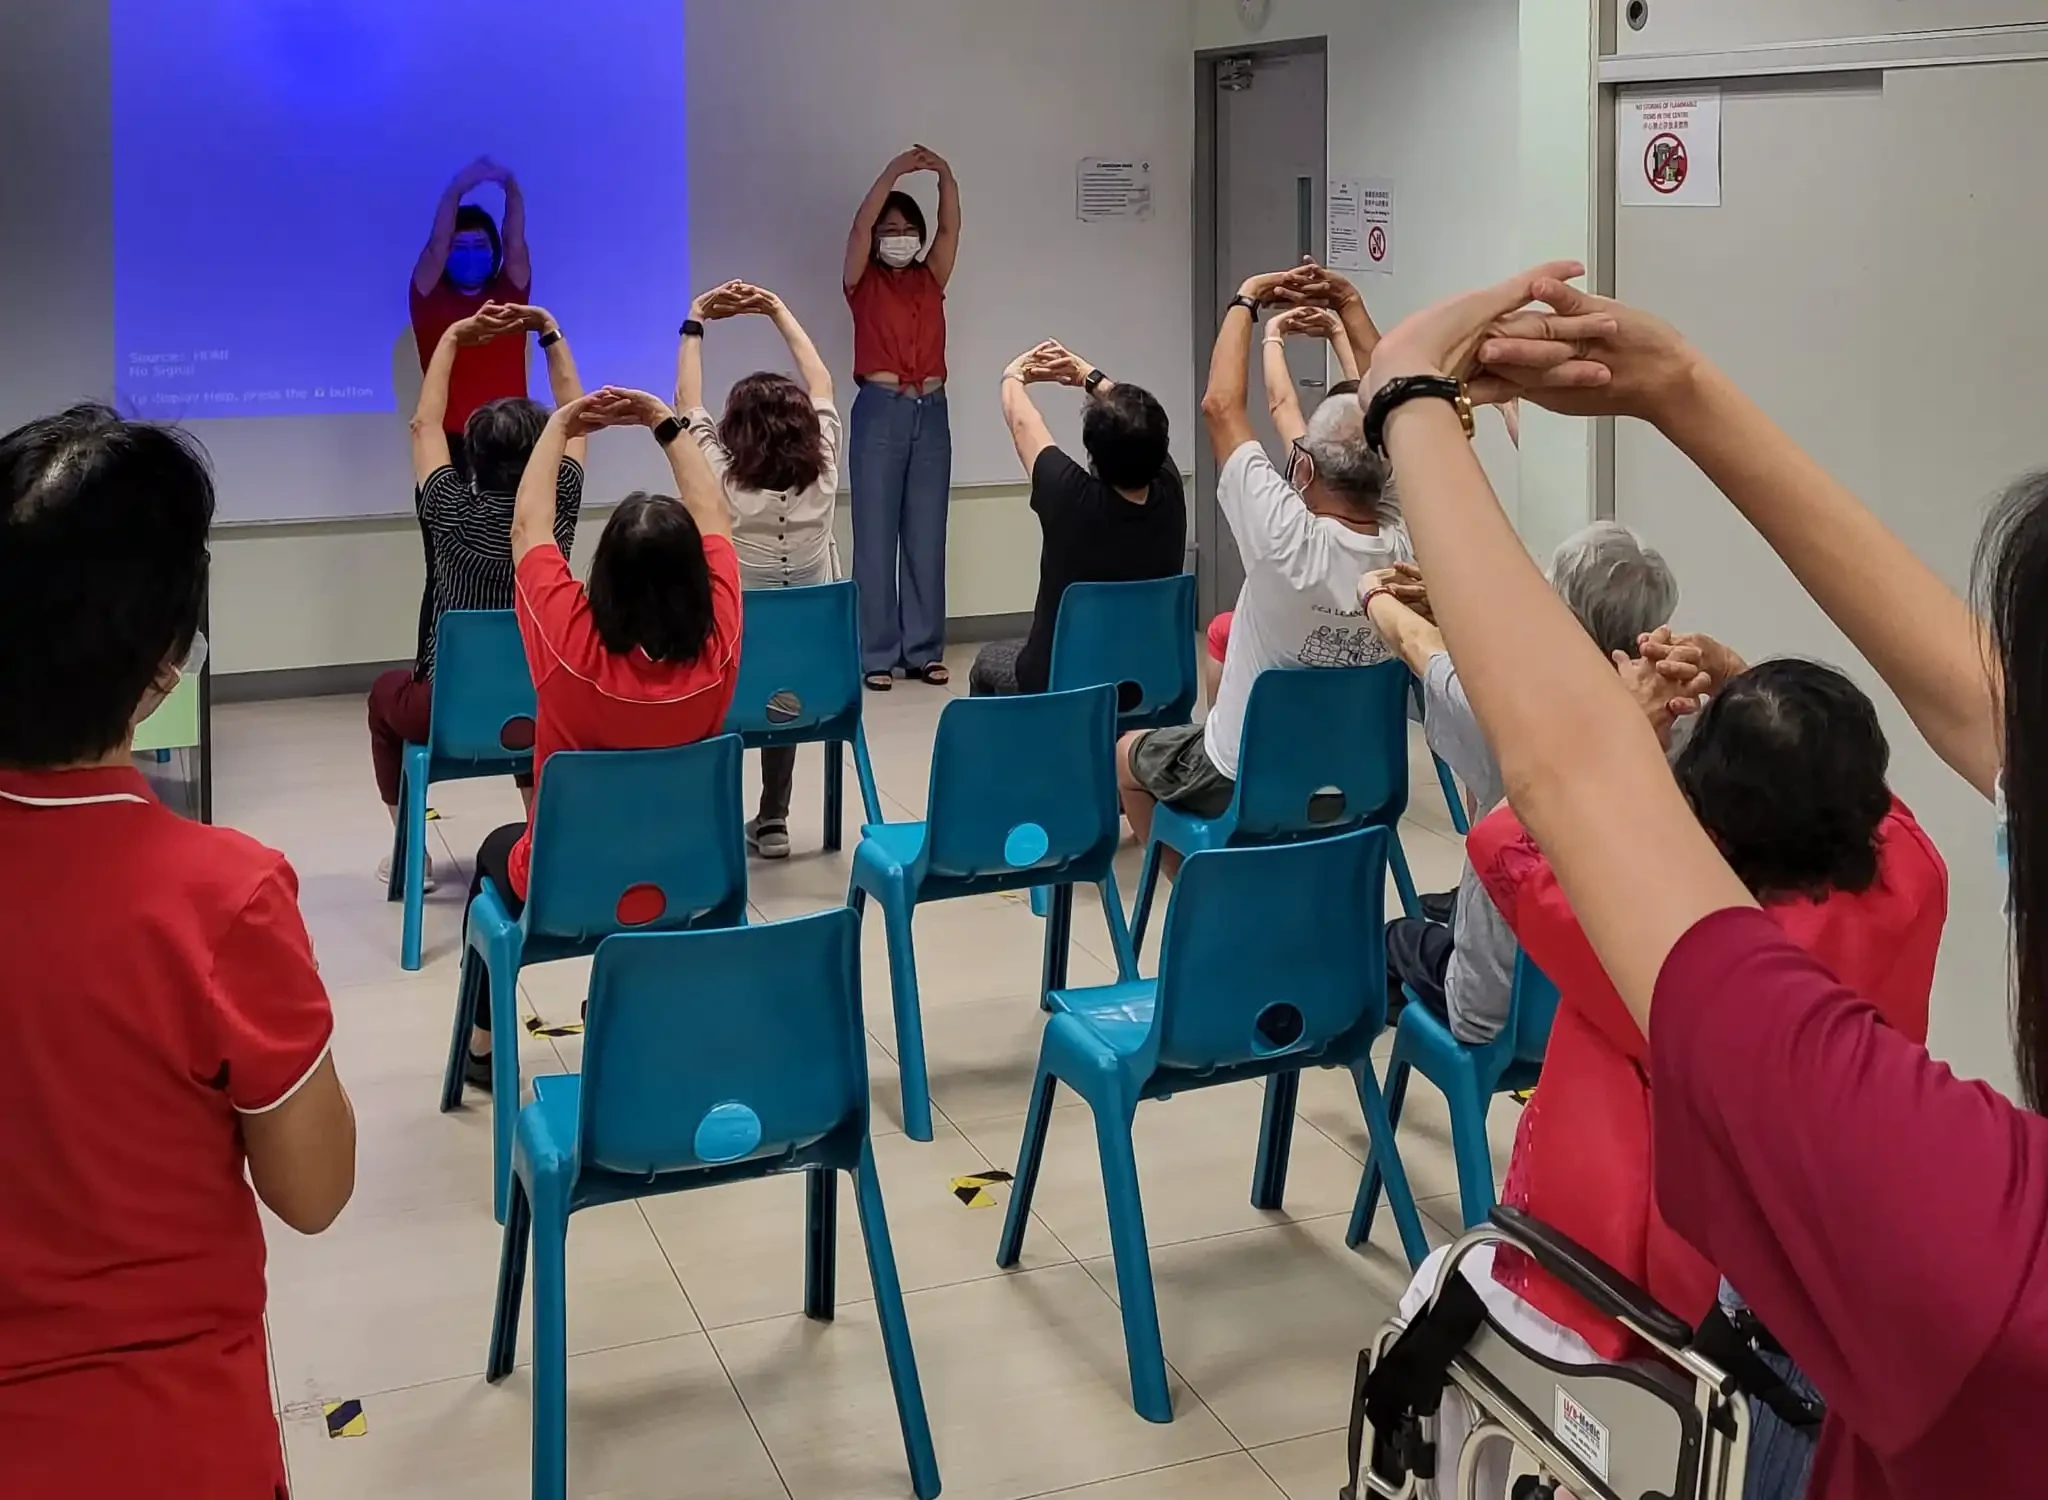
(1366, 1208)
(504, 983)
(1474, 1155)
(511, 1285)
(1030, 1156)
(1041, 901)
(1386, 1157)
(1142, 1347)
(467, 988)
(1148, 883)
(864, 773)
(413, 813)
(917, 1101)
(1404, 883)
(910, 1412)
(1119, 930)
(835, 793)
(821, 1242)
(1452, 800)
(1276, 1140)
(1059, 942)
(550, 1345)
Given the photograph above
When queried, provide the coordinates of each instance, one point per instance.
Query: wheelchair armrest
(1591, 1277)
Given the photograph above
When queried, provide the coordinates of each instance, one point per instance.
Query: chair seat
(898, 843)
(1120, 1015)
(556, 1096)
(1189, 834)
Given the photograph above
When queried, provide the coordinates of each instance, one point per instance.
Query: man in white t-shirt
(1306, 537)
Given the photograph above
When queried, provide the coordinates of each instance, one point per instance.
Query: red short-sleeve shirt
(156, 982)
(899, 323)
(483, 372)
(590, 698)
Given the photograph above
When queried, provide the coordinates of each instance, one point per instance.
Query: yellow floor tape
(345, 1419)
(535, 1026)
(974, 1190)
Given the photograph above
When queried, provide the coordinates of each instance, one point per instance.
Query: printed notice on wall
(1112, 188)
(1361, 224)
(1668, 149)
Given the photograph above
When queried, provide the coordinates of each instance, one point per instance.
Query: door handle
(1311, 382)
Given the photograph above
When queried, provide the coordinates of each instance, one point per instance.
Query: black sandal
(879, 682)
(936, 673)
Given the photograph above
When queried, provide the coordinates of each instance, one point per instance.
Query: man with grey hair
(1620, 590)
(1306, 536)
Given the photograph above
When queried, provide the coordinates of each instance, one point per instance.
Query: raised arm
(1020, 413)
(434, 258)
(1413, 639)
(945, 246)
(1282, 403)
(696, 485)
(860, 240)
(1919, 635)
(518, 267)
(533, 509)
(429, 435)
(1223, 404)
(811, 368)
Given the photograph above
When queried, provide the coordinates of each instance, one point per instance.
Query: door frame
(1207, 303)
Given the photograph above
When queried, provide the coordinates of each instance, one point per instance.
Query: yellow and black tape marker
(345, 1419)
(535, 1026)
(1523, 1096)
(433, 816)
(974, 1190)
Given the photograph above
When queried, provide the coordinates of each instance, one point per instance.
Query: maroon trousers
(398, 710)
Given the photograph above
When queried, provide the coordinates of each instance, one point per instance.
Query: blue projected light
(277, 164)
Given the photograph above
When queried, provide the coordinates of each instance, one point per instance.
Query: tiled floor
(693, 1371)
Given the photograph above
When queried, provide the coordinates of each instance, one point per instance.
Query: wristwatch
(1397, 393)
(667, 430)
(552, 336)
(1249, 304)
(1095, 378)
(691, 329)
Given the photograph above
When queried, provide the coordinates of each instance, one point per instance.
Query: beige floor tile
(1308, 1468)
(1330, 1103)
(1233, 1476)
(652, 1419)
(981, 1057)
(1195, 1157)
(740, 1249)
(1023, 1375)
(406, 1299)
(975, 948)
(1266, 1326)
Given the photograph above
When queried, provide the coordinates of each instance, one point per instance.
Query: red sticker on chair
(640, 905)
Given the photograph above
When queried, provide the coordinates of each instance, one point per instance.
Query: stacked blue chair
(1324, 750)
(799, 684)
(623, 840)
(1023, 793)
(1469, 1076)
(710, 1057)
(1265, 969)
(481, 724)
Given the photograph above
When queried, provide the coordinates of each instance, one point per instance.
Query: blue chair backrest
(1271, 949)
(613, 823)
(1323, 749)
(1535, 1008)
(716, 1046)
(1138, 637)
(1023, 783)
(482, 701)
(799, 663)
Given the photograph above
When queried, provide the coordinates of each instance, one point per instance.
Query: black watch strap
(692, 329)
(551, 337)
(1095, 379)
(1249, 304)
(667, 430)
(1399, 392)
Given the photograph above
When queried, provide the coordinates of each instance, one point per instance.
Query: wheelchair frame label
(1581, 1432)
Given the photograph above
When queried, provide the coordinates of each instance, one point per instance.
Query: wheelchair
(1675, 1427)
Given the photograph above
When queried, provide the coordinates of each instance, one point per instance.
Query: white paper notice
(1346, 233)
(1668, 149)
(1112, 189)
(1376, 224)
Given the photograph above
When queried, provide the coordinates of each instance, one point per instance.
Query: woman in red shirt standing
(900, 453)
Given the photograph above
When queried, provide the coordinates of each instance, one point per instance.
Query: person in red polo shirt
(900, 449)
(647, 656)
(167, 1025)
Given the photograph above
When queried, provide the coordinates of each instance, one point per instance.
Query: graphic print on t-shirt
(1336, 646)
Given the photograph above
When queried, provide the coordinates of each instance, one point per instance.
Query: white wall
(1424, 93)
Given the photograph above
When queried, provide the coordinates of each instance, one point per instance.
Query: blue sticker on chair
(1025, 846)
(727, 1132)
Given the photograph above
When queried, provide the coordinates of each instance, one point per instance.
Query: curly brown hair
(771, 430)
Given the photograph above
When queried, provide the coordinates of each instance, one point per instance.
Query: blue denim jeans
(900, 461)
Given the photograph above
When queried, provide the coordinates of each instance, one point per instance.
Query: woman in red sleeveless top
(900, 449)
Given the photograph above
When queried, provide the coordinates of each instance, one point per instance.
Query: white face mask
(898, 250)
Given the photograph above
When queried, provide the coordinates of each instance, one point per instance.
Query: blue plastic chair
(608, 825)
(481, 724)
(1139, 637)
(1452, 798)
(1023, 793)
(709, 1057)
(1324, 750)
(799, 684)
(1265, 969)
(1469, 1076)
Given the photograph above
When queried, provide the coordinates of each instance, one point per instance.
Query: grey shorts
(1175, 768)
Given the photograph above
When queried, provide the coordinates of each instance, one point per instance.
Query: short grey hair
(1619, 587)
(1336, 442)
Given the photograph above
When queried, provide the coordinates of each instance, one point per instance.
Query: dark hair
(907, 206)
(2012, 585)
(1785, 769)
(1344, 388)
(499, 438)
(771, 430)
(471, 217)
(1125, 433)
(103, 565)
(650, 587)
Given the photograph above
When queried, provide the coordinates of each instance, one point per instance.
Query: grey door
(1263, 152)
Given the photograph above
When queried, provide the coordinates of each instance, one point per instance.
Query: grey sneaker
(384, 873)
(769, 837)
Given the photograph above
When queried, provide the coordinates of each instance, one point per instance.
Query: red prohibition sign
(1376, 243)
(1665, 163)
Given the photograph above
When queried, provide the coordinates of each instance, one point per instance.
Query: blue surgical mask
(470, 268)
